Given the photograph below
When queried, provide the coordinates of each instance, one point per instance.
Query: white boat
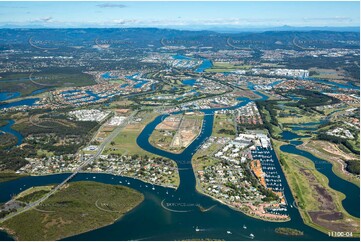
(229, 232)
(251, 235)
(153, 188)
(244, 226)
(197, 229)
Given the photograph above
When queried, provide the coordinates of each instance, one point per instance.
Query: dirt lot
(187, 132)
(169, 123)
(175, 133)
(333, 221)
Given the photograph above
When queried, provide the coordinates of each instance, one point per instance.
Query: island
(288, 231)
(77, 208)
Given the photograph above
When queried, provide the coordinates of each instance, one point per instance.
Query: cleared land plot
(177, 132)
(188, 130)
(170, 123)
(223, 126)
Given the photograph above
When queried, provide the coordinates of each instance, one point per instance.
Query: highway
(101, 147)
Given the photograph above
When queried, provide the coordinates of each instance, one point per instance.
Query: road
(114, 133)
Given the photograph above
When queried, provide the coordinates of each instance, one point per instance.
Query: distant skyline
(183, 15)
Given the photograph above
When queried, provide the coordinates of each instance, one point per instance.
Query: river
(352, 201)
(168, 214)
(7, 129)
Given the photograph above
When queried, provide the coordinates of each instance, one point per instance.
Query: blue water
(150, 221)
(92, 94)
(296, 142)
(181, 57)
(275, 83)
(205, 65)
(107, 75)
(8, 95)
(27, 102)
(139, 83)
(189, 82)
(7, 128)
(288, 135)
(352, 201)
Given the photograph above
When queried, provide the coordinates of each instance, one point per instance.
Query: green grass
(125, 143)
(222, 121)
(78, 208)
(46, 153)
(33, 193)
(160, 140)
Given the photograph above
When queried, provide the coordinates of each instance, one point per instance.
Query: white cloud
(111, 5)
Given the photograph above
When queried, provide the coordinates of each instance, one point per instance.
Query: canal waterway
(169, 214)
(7, 129)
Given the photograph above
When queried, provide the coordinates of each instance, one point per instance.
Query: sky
(180, 14)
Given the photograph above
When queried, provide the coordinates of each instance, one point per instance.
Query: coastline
(239, 210)
(106, 173)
